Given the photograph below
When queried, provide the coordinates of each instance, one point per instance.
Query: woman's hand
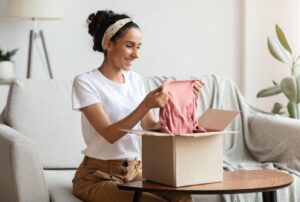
(156, 98)
(197, 87)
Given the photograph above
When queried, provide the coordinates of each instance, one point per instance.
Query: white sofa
(40, 140)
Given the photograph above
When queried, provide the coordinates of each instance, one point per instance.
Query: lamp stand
(33, 36)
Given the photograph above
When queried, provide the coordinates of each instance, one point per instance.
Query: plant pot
(7, 71)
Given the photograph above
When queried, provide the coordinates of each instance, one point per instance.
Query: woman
(112, 98)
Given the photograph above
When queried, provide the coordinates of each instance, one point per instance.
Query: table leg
(269, 196)
(137, 196)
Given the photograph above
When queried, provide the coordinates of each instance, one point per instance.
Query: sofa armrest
(21, 173)
(275, 139)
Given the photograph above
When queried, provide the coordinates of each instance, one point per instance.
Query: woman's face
(124, 50)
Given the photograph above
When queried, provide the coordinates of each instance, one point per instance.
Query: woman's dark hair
(98, 23)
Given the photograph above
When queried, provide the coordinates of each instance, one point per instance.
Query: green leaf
(278, 52)
(291, 88)
(275, 83)
(297, 58)
(274, 90)
(297, 68)
(11, 53)
(7, 56)
(277, 108)
(293, 109)
(282, 39)
(298, 87)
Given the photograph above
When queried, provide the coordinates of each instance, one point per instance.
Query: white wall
(180, 38)
(261, 68)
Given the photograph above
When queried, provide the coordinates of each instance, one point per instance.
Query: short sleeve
(138, 80)
(83, 92)
(143, 88)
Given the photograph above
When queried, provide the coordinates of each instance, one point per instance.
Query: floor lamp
(35, 10)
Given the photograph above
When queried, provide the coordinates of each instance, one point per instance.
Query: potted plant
(290, 85)
(6, 65)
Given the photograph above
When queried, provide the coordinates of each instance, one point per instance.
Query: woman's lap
(96, 181)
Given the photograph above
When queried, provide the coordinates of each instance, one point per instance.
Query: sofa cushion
(42, 110)
(275, 139)
(60, 185)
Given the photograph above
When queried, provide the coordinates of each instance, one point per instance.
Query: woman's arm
(111, 131)
(148, 122)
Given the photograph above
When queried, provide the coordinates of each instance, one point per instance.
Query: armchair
(40, 142)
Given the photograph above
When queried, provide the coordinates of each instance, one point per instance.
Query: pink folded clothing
(179, 115)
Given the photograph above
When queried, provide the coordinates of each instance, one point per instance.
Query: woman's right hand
(156, 98)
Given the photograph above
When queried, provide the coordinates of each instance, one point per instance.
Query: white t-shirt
(117, 100)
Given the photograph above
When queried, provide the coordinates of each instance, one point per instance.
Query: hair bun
(96, 20)
(92, 24)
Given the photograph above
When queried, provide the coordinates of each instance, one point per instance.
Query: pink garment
(179, 115)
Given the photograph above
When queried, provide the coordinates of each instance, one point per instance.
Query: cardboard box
(187, 159)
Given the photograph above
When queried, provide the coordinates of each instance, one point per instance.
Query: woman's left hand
(197, 87)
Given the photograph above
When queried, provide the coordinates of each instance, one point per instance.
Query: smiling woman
(112, 97)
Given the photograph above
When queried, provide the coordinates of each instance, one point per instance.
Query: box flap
(216, 119)
(146, 132)
(203, 134)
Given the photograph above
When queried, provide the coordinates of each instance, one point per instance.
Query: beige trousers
(96, 181)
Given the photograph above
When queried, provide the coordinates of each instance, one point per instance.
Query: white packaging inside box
(187, 159)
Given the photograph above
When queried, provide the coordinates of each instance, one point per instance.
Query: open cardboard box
(187, 159)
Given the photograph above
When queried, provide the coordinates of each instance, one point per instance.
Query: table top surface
(242, 181)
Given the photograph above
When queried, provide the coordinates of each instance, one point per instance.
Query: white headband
(113, 29)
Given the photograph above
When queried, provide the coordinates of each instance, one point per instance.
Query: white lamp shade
(38, 9)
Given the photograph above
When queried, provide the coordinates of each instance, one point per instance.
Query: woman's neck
(111, 72)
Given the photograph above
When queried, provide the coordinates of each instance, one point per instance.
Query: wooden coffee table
(243, 181)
